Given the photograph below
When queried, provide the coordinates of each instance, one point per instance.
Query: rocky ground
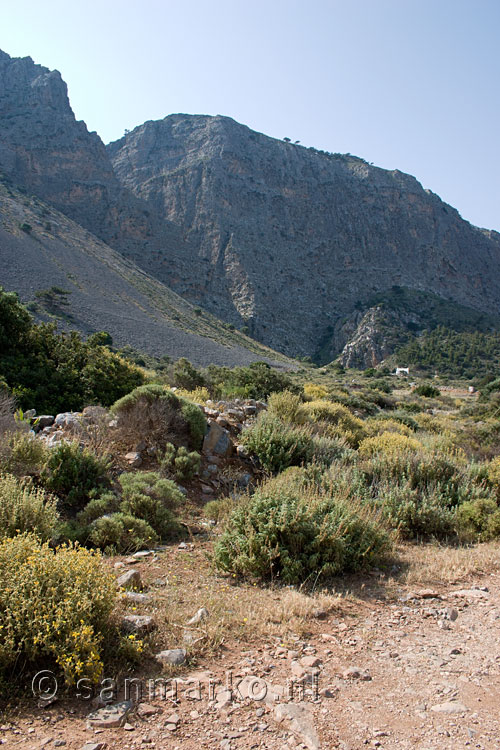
(384, 663)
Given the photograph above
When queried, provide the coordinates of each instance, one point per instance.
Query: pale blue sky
(407, 84)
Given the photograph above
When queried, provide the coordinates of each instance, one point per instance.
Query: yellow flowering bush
(314, 392)
(55, 606)
(336, 421)
(388, 444)
(376, 426)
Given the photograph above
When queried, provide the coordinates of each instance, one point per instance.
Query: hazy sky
(407, 84)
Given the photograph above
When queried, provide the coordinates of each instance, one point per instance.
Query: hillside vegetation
(287, 479)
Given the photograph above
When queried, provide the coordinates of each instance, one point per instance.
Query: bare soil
(423, 640)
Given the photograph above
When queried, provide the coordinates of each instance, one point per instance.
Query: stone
(94, 746)
(114, 715)
(200, 615)
(145, 709)
(68, 421)
(451, 614)
(450, 707)
(172, 657)
(224, 699)
(173, 718)
(134, 596)
(44, 421)
(427, 594)
(130, 580)
(142, 554)
(133, 459)
(217, 440)
(139, 624)
(297, 718)
(470, 594)
(356, 673)
(310, 661)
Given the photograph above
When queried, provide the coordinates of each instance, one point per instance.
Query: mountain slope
(292, 239)
(41, 248)
(46, 151)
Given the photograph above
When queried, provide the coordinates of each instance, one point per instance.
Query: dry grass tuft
(434, 564)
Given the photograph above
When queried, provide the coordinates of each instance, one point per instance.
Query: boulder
(138, 624)
(172, 656)
(114, 715)
(217, 440)
(130, 580)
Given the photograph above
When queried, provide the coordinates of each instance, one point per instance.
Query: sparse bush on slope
(155, 414)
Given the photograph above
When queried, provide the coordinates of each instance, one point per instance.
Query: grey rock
(44, 421)
(140, 624)
(450, 707)
(114, 715)
(297, 718)
(346, 228)
(136, 597)
(173, 656)
(199, 616)
(130, 580)
(133, 459)
(217, 440)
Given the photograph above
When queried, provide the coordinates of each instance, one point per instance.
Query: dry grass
(434, 564)
(237, 612)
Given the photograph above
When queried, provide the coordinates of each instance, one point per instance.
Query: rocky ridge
(291, 239)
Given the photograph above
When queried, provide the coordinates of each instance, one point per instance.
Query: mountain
(42, 250)
(293, 240)
(292, 245)
(60, 201)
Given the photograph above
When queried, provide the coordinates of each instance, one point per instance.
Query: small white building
(402, 372)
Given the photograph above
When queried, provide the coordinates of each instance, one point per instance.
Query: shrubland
(344, 468)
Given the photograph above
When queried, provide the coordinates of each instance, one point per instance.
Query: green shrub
(55, 607)
(186, 376)
(73, 473)
(97, 507)
(57, 371)
(21, 454)
(389, 444)
(417, 513)
(276, 444)
(219, 510)
(196, 422)
(122, 532)
(149, 497)
(479, 519)
(294, 536)
(427, 390)
(180, 462)
(23, 508)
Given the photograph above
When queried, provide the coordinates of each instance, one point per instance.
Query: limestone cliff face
(284, 240)
(46, 151)
(287, 239)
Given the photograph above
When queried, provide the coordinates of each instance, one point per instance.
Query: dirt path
(413, 669)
